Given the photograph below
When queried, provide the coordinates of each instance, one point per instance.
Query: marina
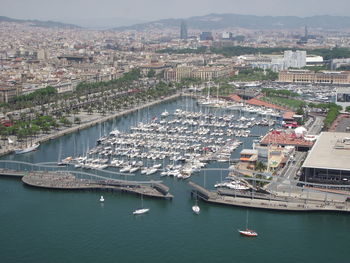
(112, 221)
(176, 144)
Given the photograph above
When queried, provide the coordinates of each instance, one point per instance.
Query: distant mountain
(222, 21)
(38, 23)
(104, 22)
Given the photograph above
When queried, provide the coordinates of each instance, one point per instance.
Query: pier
(11, 173)
(68, 181)
(268, 201)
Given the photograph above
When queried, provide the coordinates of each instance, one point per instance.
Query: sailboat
(141, 210)
(165, 114)
(196, 209)
(247, 232)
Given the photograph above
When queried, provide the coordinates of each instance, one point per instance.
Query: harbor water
(39, 225)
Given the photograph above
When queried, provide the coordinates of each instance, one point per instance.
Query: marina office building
(328, 161)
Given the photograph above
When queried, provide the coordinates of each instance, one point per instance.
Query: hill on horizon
(222, 21)
(38, 23)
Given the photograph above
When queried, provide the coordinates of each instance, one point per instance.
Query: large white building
(294, 59)
(290, 59)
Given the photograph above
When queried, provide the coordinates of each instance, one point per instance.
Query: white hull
(29, 149)
(248, 233)
(196, 209)
(141, 211)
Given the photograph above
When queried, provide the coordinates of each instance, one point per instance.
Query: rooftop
(331, 151)
(284, 138)
(288, 115)
(261, 103)
(249, 152)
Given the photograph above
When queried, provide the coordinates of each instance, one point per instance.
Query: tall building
(42, 55)
(303, 40)
(306, 34)
(206, 36)
(183, 30)
(294, 59)
(226, 35)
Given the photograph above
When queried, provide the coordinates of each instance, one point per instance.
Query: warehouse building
(328, 162)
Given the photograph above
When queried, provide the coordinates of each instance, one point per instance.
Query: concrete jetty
(68, 181)
(269, 202)
(11, 173)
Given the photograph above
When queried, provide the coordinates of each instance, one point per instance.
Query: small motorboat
(141, 211)
(102, 199)
(196, 209)
(248, 233)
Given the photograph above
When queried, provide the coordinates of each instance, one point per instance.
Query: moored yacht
(28, 149)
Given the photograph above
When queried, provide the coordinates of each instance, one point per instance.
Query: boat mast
(208, 91)
(217, 93)
(246, 223)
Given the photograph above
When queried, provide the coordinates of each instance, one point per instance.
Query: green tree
(77, 120)
(260, 166)
(151, 73)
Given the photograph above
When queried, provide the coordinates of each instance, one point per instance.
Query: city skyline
(107, 12)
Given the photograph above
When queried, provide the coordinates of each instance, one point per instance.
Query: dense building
(294, 59)
(178, 73)
(227, 35)
(204, 36)
(9, 92)
(340, 62)
(203, 73)
(328, 161)
(290, 59)
(210, 73)
(183, 30)
(156, 67)
(307, 76)
(343, 96)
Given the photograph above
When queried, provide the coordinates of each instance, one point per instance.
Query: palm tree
(260, 166)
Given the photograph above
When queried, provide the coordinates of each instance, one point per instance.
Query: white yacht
(141, 211)
(196, 209)
(165, 114)
(28, 149)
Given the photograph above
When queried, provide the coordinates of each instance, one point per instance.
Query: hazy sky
(63, 10)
